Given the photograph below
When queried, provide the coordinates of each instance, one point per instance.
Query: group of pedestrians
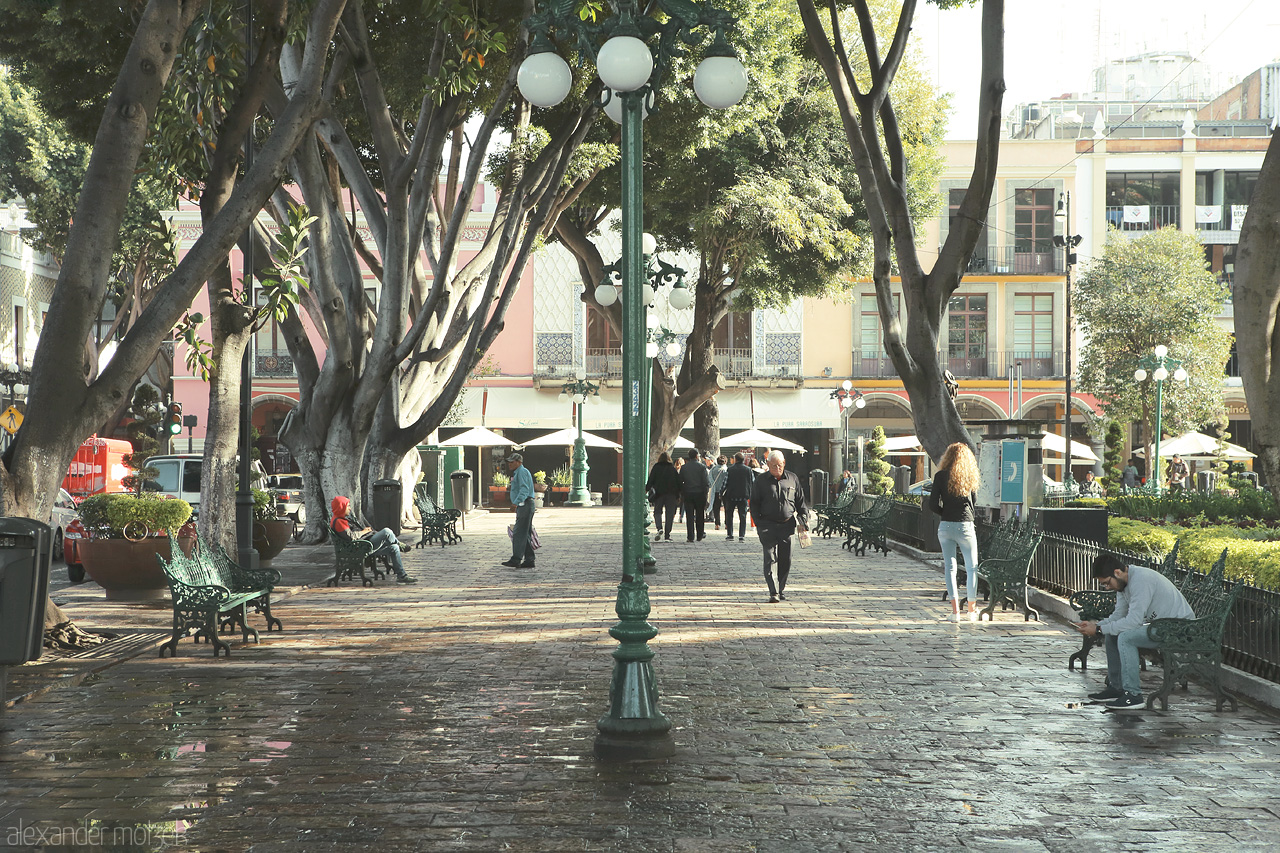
(773, 496)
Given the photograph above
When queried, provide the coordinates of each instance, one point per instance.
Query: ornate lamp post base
(634, 728)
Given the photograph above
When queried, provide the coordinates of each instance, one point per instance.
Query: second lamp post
(1158, 364)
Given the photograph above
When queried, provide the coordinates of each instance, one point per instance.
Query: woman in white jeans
(953, 498)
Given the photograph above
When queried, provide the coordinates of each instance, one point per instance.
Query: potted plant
(615, 494)
(271, 528)
(539, 489)
(560, 480)
(499, 490)
(124, 535)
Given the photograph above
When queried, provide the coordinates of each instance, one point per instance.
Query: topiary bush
(1138, 537)
(1249, 559)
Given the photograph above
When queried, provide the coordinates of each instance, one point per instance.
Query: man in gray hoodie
(1142, 595)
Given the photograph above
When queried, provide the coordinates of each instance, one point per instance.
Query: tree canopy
(1141, 293)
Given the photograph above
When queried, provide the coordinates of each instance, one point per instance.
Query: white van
(179, 476)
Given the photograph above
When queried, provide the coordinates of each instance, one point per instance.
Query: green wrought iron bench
(1194, 646)
(438, 524)
(211, 593)
(826, 512)
(1003, 562)
(869, 528)
(351, 557)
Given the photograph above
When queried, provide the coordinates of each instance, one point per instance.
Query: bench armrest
(1093, 604)
(185, 593)
(1173, 633)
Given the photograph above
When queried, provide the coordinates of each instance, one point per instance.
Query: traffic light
(173, 420)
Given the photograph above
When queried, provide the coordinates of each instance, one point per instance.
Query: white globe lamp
(624, 63)
(680, 298)
(720, 81)
(860, 403)
(651, 349)
(673, 348)
(1161, 351)
(1139, 375)
(1180, 375)
(613, 108)
(648, 243)
(606, 294)
(1160, 375)
(544, 79)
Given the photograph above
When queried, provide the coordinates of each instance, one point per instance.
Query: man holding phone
(1142, 595)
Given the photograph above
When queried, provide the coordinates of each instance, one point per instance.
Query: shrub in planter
(1249, 559)
(1138, 537)
(108, 516)
(126, 533)
(1098, 503)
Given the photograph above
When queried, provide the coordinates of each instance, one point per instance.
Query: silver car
(287, 490)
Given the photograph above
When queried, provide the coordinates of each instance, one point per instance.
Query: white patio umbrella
(758, 438)
(567, 436)
(903, 445)
(1197, 445)
(1079, 452)
(683, 443)
(478, 437)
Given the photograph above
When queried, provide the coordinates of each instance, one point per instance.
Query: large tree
(1138, 294)
(874, 134)
(1257, 313)
(63, 407)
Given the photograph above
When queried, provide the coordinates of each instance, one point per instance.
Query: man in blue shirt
(1142, 595)
(521, 494)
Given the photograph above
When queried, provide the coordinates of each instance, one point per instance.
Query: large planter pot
(559, 494)
(128, 571)
(499, 497)
(269, 538)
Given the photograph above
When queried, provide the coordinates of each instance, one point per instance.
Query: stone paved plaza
(459, 714)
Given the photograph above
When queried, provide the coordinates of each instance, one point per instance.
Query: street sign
(10, 420)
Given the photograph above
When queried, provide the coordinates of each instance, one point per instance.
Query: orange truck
(98, 466)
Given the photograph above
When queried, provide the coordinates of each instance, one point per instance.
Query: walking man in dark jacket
(737, 491)
(695, 484)
(778, 508)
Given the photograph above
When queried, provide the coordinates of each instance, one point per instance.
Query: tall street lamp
(634, 727)
(1158, 364)
(1067, 242)
(580, 390)
(846, 398)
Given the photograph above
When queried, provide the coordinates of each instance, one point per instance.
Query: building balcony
(606, 364)
(272, 363)
(1143, 217)
(1013, 260)
(1039, 364)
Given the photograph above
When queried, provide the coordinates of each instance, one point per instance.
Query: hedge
(114, 511)
(1253, 555)
(1138, 537)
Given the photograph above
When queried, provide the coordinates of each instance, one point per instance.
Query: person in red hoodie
(384, 541)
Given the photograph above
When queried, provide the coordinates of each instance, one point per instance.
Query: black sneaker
(782, 596)
(511, 564)
(1105, 695)
(405, 579)
(729, 538)
(740, 539)
(1127, 702)
(773, 599)
(527, 565)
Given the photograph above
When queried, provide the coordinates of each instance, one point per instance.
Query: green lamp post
(580, 391)
(1158, 363)
(634, 727)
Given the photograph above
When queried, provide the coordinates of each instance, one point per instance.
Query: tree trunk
(219, 477)
(699, 361)
(1257, 313)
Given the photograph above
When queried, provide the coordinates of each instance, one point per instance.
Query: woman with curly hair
(953, 498)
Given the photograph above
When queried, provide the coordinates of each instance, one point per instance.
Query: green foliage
(264, 504)
(108, 515)
(472, 39)
(1112, 464)
(1250, 560)
(1100, 503)
(562, 476)
(874, 466)
(1247, 509)
(501, 479)
(1138, 537)
(540, 477)
(1141, 293)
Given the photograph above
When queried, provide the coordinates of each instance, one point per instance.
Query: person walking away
(385, 543)
(1142, 595)
(778, 508)
(521, 493)
(1177, 474)
(679, 463)
(738, 479)
(953, 498)
(717, 487)
(664, 487)
(695, 484)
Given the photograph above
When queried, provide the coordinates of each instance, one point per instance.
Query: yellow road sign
(10, 420)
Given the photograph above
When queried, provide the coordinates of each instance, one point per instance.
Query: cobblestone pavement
(459, 714)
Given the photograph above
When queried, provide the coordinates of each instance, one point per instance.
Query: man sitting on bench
(384, 541)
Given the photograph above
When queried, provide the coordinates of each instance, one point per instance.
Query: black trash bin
(818, 487)
(388, 501)
(460, 488)
(1206, 481)
(25, 552)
